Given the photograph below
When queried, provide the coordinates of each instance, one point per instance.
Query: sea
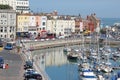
(55, 63)
(109, 21)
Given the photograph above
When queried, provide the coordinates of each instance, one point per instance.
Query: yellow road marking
(1, 48)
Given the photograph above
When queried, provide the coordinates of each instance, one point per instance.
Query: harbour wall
(35, 45)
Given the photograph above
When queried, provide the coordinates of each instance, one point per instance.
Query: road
(15, 62)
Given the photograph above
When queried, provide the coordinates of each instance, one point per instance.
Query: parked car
(32, 74)
(61, 37)
(10, 45)
(28, 65)
(1, 43)
(1, 62)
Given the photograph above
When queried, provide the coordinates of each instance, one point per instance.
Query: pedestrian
(6, 66)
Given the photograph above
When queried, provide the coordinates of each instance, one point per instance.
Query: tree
(103, 31)
(5, 7)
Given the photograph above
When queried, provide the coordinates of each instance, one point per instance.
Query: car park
(28, 65)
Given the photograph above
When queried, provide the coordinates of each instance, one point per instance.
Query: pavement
(15, 69)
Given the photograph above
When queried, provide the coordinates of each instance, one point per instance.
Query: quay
(26, 55)
(35, 45)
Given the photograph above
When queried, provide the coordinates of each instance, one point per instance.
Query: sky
(102, 8)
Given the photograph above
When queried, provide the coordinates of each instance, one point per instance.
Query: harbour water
(56, 65)
(54, 62)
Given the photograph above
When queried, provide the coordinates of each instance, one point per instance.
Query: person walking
(6, 66)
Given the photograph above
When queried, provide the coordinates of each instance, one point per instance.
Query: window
(3, 16)
(13, 29)
(1, 36)
(25, 28)
(5, 36)
(5, 30)
(1, 21)
(43, 28)
(10, 28)
(11, 36)
(18, 29)
(43, 23)
(1, 29)
(10, 16)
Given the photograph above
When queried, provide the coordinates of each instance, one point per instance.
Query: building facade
(22, 23)
(61, 27)
(8, 24)
(29, 23)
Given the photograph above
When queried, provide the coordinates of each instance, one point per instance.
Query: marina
(54, 60)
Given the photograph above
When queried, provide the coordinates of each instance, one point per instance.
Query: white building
(7, 24)
(43, 20)
(21, 6)
(61, 27)
(32, 25)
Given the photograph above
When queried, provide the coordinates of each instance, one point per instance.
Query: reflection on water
(56, 65)
(52, 57)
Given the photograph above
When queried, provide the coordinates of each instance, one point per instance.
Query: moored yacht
(66, 49)
(88, 74)
(72, 56)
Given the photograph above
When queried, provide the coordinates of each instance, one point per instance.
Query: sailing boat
(106, 66)
(83, 63)
(72, 55)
